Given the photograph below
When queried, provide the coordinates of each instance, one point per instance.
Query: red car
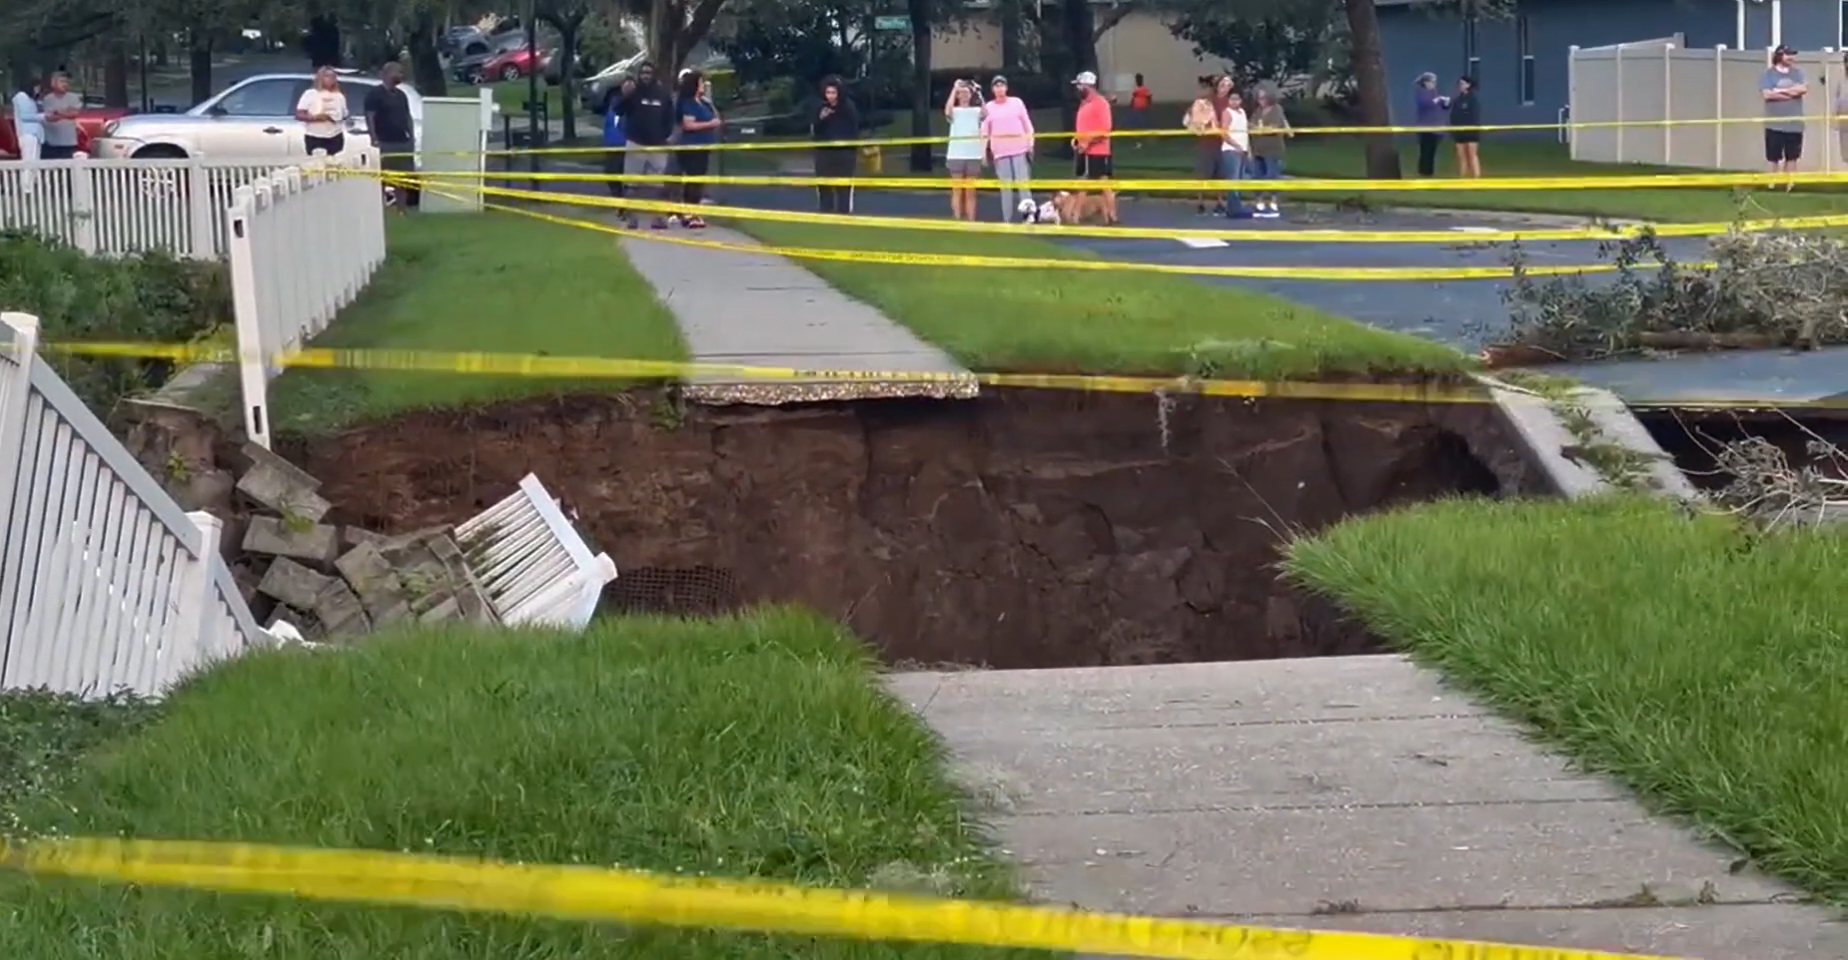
(90, 125)
(514, 64)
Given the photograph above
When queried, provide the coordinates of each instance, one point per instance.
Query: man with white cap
(1091, 145)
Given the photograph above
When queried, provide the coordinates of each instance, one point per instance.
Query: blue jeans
(1265, 168)
(1232, 167)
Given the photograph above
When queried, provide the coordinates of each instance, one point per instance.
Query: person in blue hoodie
(614, 141)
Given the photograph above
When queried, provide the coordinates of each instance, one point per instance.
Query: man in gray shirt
(62, 108)
(1783, 89)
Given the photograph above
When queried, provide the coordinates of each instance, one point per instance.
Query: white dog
(1031, 212)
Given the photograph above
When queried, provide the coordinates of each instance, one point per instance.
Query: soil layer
(1022, 529)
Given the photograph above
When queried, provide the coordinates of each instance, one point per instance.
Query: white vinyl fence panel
(1713, 95)
(105, 583)
(531, 562)
(303, 241)
(117, 207)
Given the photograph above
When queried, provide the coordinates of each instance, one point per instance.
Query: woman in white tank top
(964, 154)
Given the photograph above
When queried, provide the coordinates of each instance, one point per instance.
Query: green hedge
(147, 297)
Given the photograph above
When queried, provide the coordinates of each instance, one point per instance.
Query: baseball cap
(1086, 79)
(998, 79)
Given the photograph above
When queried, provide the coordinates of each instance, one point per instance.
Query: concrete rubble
(331, 582)
(336, 583)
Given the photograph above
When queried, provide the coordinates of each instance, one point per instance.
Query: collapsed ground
(1571, 616)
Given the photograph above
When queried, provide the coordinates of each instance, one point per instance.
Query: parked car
(462, 42)
(90, 124)
(253, 118)
(473, 68)
(514, 64)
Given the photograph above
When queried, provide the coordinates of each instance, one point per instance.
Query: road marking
(1477, 229)
(1202, 243)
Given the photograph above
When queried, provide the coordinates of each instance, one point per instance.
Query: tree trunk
(115, 72)
(1370, 77)
(426, 64)
(568, 30)
(1010, 36)
(199, 61)
(921, 100)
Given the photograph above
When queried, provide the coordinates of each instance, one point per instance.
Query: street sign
(891, 23)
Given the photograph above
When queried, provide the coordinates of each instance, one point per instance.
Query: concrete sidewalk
(761, 310)
(1350, 793)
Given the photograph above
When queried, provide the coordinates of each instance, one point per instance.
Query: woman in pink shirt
(1007, 130)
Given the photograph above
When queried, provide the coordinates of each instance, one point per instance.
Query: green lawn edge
(488, 282)
(1697, 661)
(1077, 321)
(757, 746)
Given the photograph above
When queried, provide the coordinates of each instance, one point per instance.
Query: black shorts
(1783, 145)
(332, 145)
(1091, 167)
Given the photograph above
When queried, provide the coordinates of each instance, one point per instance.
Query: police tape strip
(1335, 235)
(1086, 264)
(639, 898)
(1159, 185)
(1177, 132)
(595, 368)
(1440, 391)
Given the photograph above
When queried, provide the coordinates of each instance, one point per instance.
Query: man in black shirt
(388, 117)
(647, 123)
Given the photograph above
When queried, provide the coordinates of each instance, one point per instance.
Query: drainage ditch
(1021, 529)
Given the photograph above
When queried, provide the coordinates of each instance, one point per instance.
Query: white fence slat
(105, 583)
(301, 243)
(531, 562)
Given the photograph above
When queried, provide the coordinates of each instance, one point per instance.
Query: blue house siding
(1419, 36)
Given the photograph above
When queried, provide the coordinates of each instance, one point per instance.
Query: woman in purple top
(1433, 115)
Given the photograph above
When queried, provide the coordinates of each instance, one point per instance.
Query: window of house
(1472, 58)
(1524, 49)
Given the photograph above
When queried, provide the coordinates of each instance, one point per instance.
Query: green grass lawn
(1061, 321)
(479, 282)
(1698, 662)
(761, 746)
(512, 95)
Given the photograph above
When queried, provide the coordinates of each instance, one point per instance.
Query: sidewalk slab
(1352, 793)
(761, 310)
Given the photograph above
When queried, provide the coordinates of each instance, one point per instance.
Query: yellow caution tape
(888, 142)
(645, 899)
(596, 368)
(1335, 235)
(892, 258)
(1157, 185)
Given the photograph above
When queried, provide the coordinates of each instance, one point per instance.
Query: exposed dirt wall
(1024, 528)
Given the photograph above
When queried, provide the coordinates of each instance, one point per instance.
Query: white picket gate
(303, 242)
(117, 207)
(531, 562)
(105, 583)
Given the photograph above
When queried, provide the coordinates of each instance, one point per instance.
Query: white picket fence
(1658, 80)
(303, 242)
(531, 562)
(105, 583)
(117, 207)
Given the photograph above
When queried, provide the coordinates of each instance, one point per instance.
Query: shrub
(146, 297)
